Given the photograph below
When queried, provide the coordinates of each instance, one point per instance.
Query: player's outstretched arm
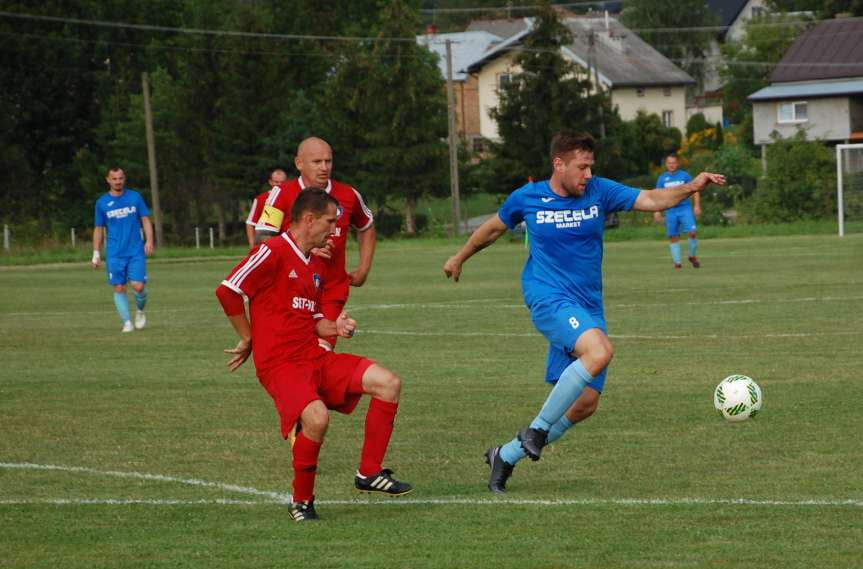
(658, 200)
(485, 235)
(344, 327)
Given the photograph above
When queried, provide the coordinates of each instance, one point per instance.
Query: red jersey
(353, 212)
(257, 208)
(283, 286)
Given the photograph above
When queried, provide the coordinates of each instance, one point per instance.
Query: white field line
(270, 498)
(472, 304)
(275, 496)
(612, 336)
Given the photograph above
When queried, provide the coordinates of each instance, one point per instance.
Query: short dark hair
(114, 168)
(566, 141)
(312, 200)
(671, 155)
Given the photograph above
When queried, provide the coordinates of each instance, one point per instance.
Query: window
(666, 91)
(667, 118)
(639, 92)
(503, 79)
(758, 12)
(793, 112)
(478, 146)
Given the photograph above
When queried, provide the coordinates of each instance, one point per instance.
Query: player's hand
(148, 249)
(703, 179)
(241, 354)
(358, 277)
(452, 268)
(96, 260)
(325, 252)
(657, 217)
(345, 325)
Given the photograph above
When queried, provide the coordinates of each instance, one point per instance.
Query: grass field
(142, 451)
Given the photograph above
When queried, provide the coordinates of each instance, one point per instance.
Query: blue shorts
(124, 269)
(562, 322)
(677, 222)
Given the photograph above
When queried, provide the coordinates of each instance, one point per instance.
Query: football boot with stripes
(381, 483)
(532, 441)
(303, 511)
(501, 470)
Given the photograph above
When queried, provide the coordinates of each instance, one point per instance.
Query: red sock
(306, 453)
(379, 428)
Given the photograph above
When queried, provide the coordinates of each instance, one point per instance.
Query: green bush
(800, 182)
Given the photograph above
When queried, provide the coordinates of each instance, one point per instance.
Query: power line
(300, 37)
(515, 8)
(196, 31)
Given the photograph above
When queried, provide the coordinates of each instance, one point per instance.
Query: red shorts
(334, 379)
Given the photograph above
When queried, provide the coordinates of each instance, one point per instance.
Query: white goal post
(849, 181)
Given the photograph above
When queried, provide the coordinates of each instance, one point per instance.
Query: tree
(800, 182)
(688, 48)
(748, 64)
(386, 115)
(547, 95)
(49, 134)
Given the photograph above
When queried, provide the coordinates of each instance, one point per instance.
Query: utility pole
(453, 143)
(593, 69)
(151, 159)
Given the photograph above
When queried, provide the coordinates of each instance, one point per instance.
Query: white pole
(839, 206)
(6, 237)
(73, 238)
(197, 238)
(211, 238)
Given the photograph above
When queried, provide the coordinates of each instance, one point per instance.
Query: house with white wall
(615, 59)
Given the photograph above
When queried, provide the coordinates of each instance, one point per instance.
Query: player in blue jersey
(122, 212)
(562, 283)
(682, 216)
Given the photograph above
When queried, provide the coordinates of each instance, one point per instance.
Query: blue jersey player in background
(562, 283)
(123, 213)
(680, 218)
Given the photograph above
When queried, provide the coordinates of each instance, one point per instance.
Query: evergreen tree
(546, 96)
(386, 115)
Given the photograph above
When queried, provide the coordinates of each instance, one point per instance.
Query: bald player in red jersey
(314, 161)
(283, 282)
(277, 176)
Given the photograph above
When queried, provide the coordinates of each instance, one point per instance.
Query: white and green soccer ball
(737, 397)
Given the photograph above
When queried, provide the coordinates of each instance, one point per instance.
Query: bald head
(314, 160)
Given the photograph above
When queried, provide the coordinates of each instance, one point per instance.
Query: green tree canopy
(547, 95)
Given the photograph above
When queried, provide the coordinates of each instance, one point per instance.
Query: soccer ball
(737, 397)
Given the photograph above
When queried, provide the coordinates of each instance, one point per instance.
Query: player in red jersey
(314, 161)
(277, 176)
(283, 282)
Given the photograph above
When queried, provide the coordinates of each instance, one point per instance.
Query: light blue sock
(563, 395)
(141, 299)
(558, 429)
(121, 301)
(675, 252)
(693, 245)
(512, 451)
